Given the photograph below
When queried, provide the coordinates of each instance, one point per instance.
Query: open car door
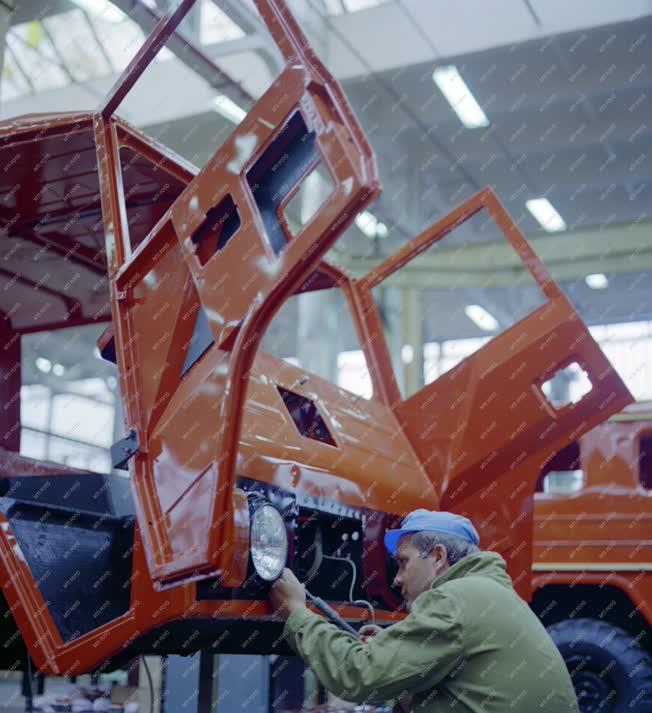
(483, 430)
(202, 287)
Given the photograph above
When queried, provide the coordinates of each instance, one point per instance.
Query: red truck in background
(592, 561)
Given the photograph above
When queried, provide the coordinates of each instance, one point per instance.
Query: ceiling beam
(568, 256)
(184, 48)
(69, 248)
(72, 305)
(250, 23)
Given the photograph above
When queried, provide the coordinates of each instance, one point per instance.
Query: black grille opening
(306, 417)
(80, 561)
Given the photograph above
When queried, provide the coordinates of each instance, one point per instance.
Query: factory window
(74, 429)
(352, 373)
(306, 417)
(68, 404)
(628, 346)
(562, 474)
(645, 461)
(314, 331)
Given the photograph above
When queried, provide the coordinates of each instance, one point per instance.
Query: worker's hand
(368, 631)
(287, 594)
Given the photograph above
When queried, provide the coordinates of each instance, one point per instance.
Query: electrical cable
(333, 615)
(151, 685)
(363, 602)
(345, 626)
(355, 571)
(319, 556)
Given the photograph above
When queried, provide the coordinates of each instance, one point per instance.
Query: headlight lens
(269, 542)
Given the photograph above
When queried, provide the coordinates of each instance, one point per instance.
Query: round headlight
(268, 542)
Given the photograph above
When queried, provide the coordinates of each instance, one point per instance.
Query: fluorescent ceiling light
(102, 9)
(481, 318)
(44, 365)
(459, 96)
(337, 7)
(228, 109)
(597, 281)
(543, 210)
(370, 225)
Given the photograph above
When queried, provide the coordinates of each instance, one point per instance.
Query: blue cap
(447, 523)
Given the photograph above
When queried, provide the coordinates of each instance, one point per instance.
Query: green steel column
(412, 333)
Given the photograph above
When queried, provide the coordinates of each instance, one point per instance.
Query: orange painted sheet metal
(239, 280)
(482, 430)
(373, 466)
(605, 524)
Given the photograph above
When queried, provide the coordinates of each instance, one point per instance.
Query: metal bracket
(124, 449)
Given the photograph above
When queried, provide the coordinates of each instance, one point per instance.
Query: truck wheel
(611, 673)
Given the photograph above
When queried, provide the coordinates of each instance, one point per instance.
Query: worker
(469, 642)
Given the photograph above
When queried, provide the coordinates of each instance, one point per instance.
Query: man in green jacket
(469, 643)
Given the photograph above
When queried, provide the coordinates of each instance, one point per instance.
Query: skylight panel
(76, 44)
(37, 58)
(216, 25)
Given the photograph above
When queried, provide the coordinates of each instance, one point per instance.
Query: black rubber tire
(610, 670)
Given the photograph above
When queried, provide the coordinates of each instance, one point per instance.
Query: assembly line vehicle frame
(193, 267)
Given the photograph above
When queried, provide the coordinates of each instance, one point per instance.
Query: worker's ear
(441, 555)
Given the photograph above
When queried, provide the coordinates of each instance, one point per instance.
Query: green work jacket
(470, 643)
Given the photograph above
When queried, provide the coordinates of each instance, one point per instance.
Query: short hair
(456, 547)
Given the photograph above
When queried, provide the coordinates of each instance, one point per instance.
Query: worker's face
(416, 573)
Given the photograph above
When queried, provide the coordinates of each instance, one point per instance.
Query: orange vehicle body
(212, 421)
(595, 545)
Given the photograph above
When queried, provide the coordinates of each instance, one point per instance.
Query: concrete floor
(12, 700)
